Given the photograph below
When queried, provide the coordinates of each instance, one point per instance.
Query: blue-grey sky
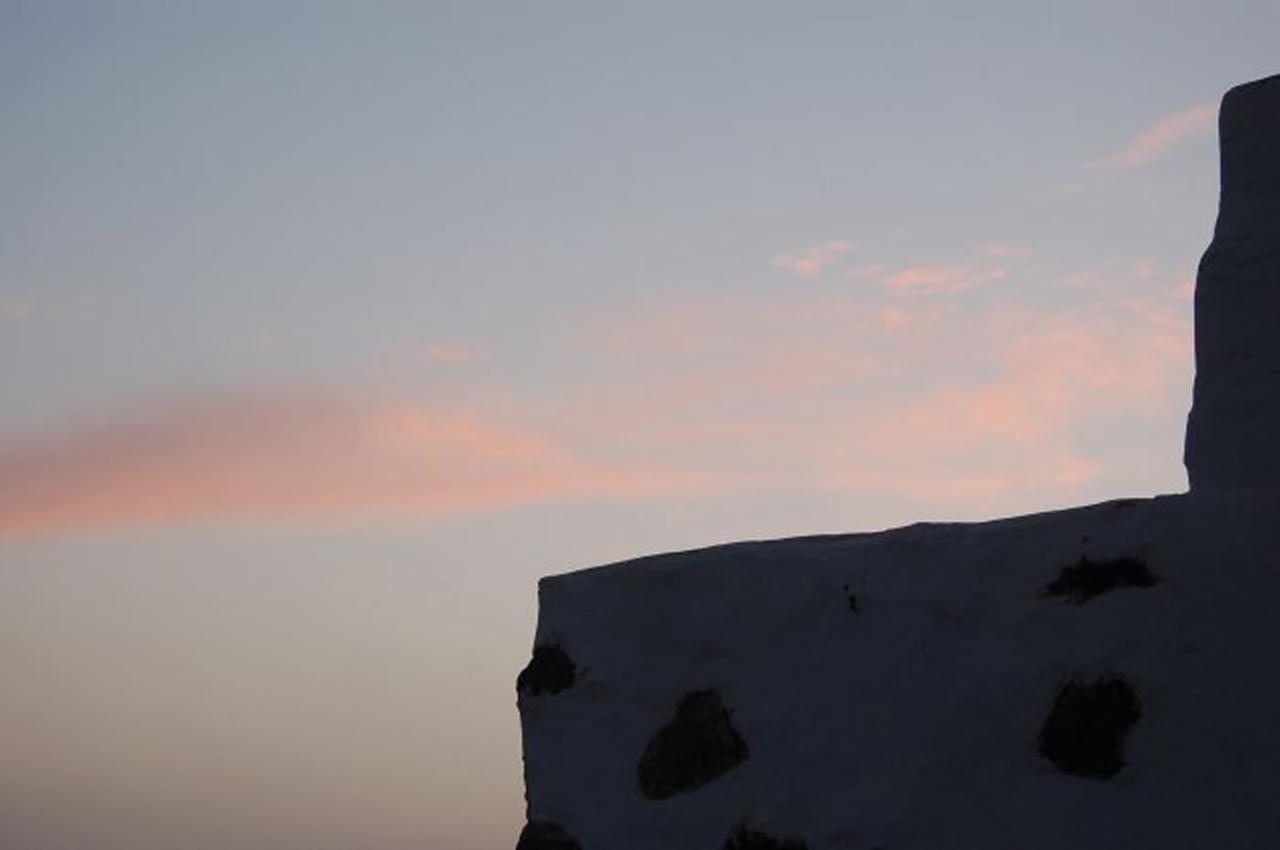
(326, 329)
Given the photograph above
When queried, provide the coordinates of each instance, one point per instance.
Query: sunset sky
(327, 328)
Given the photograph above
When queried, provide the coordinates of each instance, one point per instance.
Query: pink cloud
(795, 368)
(1161, 137)
(1123, 276)
(893, 318)
(953, 405)
(968, 483)
(814, 260)
(267, 457)
(1144, 267)
(972, 442)
(940, 279)
(449, 352)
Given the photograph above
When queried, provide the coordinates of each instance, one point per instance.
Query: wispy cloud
(1014, 432)
(963, 404)
(987, 264)
(814, 260)
(1144, 267)
(1159, 138)
(934, 280)
(263, 457)
(954, 404)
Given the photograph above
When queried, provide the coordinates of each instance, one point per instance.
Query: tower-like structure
(1233, 432)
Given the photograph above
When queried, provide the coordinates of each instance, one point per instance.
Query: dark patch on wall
(1085, 731)
(545, 835)
(551, 671)
(852, 599)
(750, 839)
(698, 745)
(1085, 579)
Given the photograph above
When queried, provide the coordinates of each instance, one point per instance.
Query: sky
(326, 329)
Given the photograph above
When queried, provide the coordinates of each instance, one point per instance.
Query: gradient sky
(327, 329)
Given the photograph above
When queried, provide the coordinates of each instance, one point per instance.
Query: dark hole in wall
(1085, 579)
(745, 838)
(551, 671)
(698, 745)
(544, 835)
(1085, 731)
